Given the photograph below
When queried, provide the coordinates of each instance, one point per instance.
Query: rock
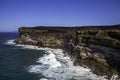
(76, 41)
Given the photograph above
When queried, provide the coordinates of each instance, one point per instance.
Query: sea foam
(10, 42)
(49, 60)
(55, 66)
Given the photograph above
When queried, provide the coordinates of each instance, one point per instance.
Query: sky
(29, 13)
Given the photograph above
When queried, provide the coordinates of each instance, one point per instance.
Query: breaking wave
(10, 42)
(54, 65)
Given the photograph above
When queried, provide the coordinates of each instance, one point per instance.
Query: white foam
(114, 77)
(43, 79)
(10, 42)
(49, 60)
(55, 66)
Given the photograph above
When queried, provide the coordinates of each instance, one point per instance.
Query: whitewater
(54, 65)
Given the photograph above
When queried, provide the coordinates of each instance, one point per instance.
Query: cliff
(96, 47)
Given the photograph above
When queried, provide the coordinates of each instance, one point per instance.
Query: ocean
(27, 62)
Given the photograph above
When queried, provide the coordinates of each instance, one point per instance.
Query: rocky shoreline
(93, 47)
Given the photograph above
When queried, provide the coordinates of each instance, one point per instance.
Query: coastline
(76, 43)
(60, 56)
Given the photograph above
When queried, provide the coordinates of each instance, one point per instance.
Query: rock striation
(96, 47)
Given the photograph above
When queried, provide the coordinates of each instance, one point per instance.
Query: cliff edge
(96, 47)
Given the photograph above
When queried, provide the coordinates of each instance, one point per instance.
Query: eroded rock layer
(96, 47)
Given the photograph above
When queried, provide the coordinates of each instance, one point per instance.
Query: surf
(54, 65)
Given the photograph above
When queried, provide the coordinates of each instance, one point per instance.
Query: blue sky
(17, 13)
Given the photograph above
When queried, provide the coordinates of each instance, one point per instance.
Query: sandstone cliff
(96, 47)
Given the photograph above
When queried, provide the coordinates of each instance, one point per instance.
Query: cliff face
(93, 47)
(40, 37)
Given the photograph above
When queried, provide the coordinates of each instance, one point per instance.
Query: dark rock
(77, 41)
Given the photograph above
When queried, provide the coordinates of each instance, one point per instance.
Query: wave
(54, 65)
(10, 42)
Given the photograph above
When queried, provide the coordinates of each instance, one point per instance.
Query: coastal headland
(96, 47)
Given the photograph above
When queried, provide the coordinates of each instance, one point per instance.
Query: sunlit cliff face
(86, 45)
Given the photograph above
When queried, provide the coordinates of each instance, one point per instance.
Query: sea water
(26, 62)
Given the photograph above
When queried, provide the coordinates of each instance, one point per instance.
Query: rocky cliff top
(101, 35)
(96, 47)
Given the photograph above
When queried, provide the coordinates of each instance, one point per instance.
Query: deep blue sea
(25, 62)
(14, 60)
